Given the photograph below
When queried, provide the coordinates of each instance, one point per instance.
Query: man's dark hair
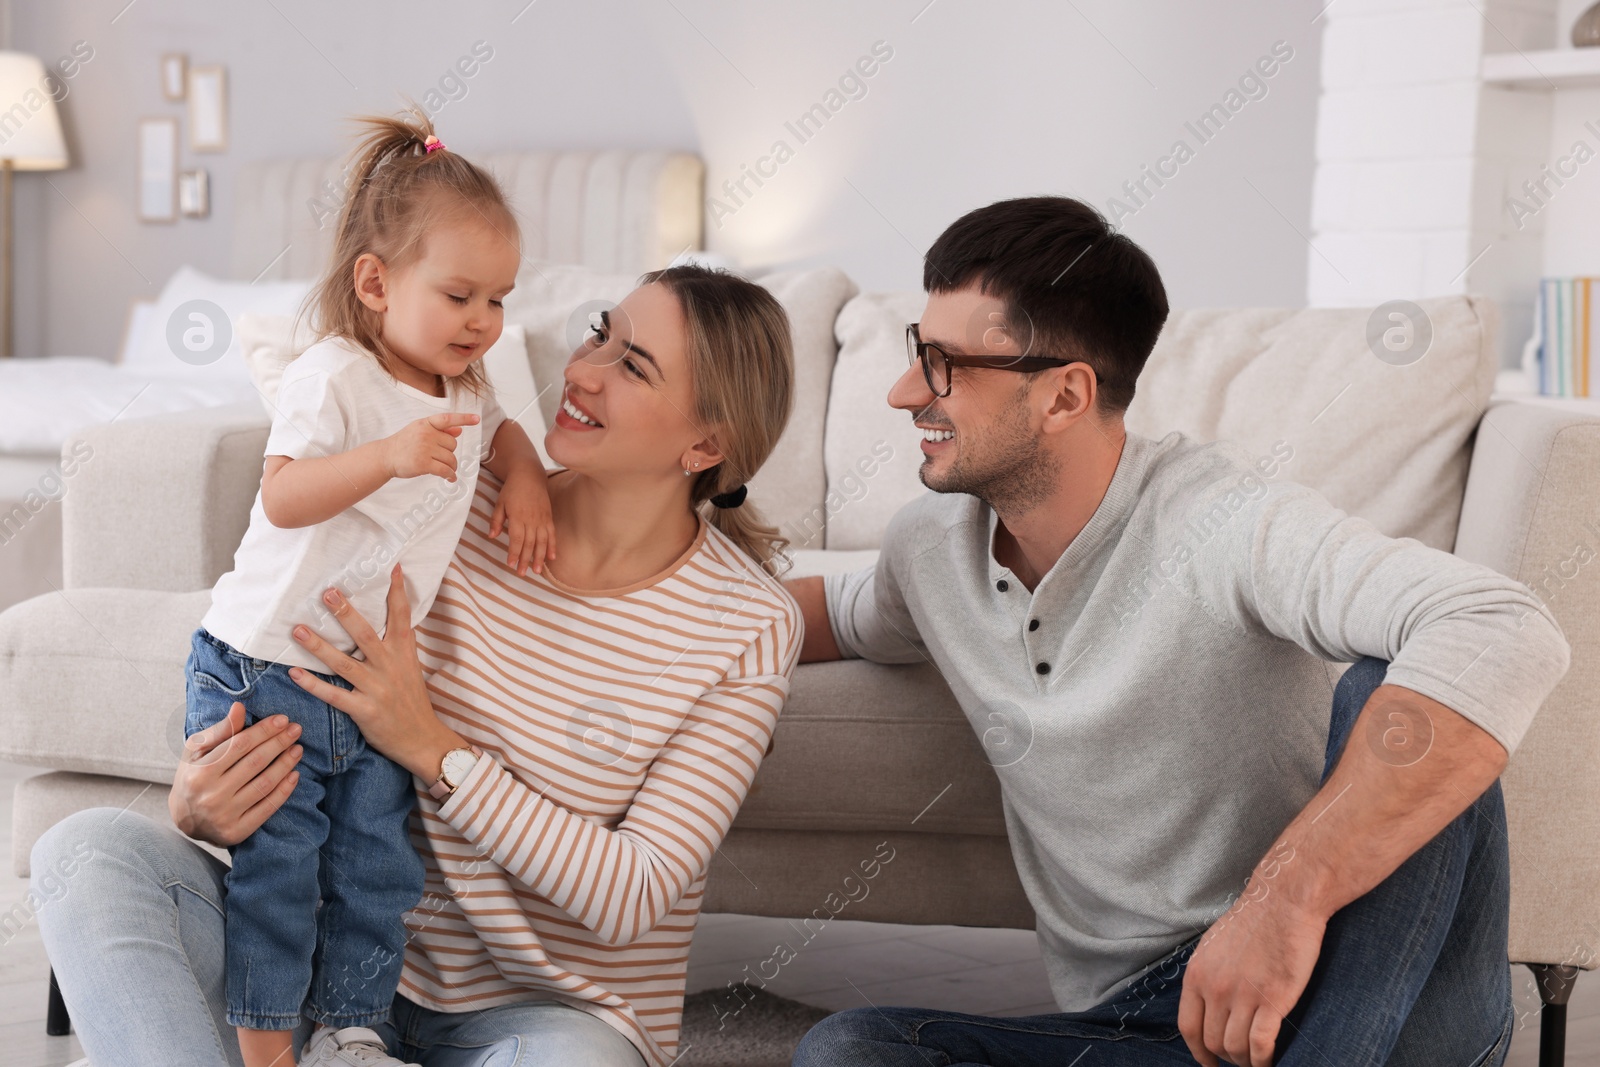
(1087, 292)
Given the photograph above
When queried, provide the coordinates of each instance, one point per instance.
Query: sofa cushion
(959, 879)
(939, 878)
(92, 681)
(816, 562)
(789, 487)
(1390, 443)
(872, 452)
(164, 502)
(31, 488)
(553, 303)
(45, 799)
(865, 746)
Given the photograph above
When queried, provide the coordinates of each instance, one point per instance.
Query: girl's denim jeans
(341, 838)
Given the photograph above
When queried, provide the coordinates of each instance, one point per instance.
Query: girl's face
(628, 406)
(443, 311)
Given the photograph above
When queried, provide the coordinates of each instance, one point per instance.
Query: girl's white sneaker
(353, 1045)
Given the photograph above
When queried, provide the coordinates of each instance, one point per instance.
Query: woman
(602, 723)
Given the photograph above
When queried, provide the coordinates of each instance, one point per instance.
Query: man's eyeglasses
(937, 363)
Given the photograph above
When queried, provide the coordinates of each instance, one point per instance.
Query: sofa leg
(1553, 1035)
(56, 1021)
(1555, 983)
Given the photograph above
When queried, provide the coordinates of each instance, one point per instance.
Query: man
(1161, 619)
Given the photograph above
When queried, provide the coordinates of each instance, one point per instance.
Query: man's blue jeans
(1413, 974)
(341, 838)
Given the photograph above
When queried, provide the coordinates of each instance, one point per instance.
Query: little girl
(371, 460)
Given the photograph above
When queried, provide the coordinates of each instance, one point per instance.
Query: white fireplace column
(1416, 157)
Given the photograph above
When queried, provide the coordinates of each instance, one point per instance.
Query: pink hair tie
(433, 142)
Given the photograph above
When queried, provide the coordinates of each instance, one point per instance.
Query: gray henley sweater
(1157, 709)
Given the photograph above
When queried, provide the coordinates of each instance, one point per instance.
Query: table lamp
(30, 139)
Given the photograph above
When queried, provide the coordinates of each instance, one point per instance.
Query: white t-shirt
(333, 398)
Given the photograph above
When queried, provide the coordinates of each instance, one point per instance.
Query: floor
(847, 964)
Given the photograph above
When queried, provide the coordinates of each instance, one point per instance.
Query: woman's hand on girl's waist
(389, 702)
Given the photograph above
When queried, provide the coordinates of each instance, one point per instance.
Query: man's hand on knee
(1246, 974)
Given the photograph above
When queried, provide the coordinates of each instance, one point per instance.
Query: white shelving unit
(1555, 68)
(1569, 79)
(1514, 385)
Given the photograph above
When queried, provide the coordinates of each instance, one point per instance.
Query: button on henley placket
(1053, 597)
(1010, 590)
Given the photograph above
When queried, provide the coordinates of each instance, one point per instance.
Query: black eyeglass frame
(919, 350)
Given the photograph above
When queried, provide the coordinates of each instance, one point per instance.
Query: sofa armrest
(1532, 512)
(161, 502)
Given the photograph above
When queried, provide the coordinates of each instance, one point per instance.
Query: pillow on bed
(140, 314)
(180, 337)
(268, 348)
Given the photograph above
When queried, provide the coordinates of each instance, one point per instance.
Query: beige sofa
(91, 679)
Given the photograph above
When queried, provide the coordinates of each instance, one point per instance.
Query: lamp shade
(30, 129)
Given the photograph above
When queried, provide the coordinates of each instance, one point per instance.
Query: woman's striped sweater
(622, 728)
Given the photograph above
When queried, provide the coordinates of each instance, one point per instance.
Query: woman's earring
(686, 472)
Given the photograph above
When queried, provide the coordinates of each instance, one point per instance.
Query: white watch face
(457, 762)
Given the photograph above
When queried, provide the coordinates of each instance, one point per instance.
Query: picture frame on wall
(174, 76)
(208, 109)
(194, 194)
(158, 170)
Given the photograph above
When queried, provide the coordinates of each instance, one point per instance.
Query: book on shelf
(1560, 357)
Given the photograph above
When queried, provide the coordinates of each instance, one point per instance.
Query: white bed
(42, 401)
(619, 211)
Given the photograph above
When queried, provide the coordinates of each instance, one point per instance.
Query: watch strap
(440, 789)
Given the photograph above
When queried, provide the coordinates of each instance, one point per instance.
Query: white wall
(979, 101)
(983, 101)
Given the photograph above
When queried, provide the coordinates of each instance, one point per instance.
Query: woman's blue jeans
(135, 933)
(1413, 974)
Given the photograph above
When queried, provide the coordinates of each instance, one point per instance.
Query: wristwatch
(453, 771)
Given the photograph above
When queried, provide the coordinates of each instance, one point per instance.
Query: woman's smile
(571, 416)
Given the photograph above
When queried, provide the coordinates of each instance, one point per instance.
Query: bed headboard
(619, 211)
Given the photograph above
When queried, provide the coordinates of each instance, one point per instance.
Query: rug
(763, 1033)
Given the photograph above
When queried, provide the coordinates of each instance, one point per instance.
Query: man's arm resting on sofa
(812, 597)
(857, 615)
